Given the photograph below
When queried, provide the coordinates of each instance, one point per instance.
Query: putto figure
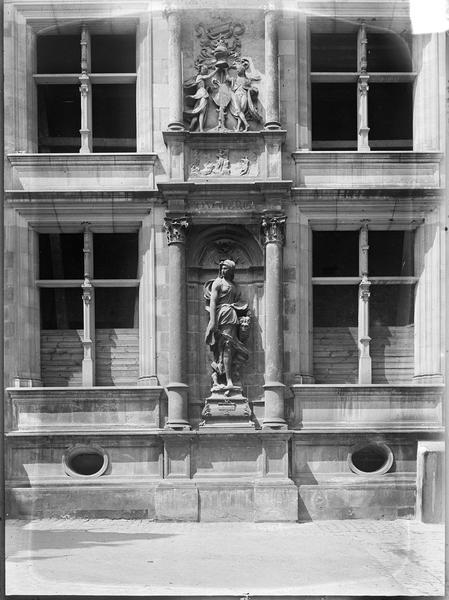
(228, 327)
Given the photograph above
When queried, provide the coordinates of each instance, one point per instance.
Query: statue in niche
(228, 328)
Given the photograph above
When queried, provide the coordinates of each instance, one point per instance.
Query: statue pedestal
(227, 409)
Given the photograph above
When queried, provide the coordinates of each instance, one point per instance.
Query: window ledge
(95, 171)
(352, 169)
(378, 406)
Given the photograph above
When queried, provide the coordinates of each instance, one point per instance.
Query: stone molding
(91, 171)
(321, 407)
(324, 169)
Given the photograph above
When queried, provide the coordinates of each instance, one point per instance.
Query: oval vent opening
(371, 459)
(86, 461)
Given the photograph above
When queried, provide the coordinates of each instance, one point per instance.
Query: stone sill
(351, 169)
(95, 171)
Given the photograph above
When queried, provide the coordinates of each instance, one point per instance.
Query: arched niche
(206, 246)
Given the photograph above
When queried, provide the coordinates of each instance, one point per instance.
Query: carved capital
(364, 288)
(272, 229)
(176, 229)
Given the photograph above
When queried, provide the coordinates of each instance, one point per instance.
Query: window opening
(86, 91)
(362, 90)
(371, 459)
(363, 306)
(88, 282)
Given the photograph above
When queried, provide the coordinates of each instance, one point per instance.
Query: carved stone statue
(228, 327)
(216, 84)
(198, 113)
(244, 94)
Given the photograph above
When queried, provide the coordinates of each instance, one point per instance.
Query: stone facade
(233, 146)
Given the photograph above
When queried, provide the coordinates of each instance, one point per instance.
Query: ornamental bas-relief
(223, 163)
(224, 82)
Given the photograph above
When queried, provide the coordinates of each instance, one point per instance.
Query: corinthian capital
(272, 229)
(176, 229)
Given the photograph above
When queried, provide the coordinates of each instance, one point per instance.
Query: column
(362, 93)
(144, 91)
(429, 267)
(363, 319)
(304, 126)
(86, 94)
(177, 390)
(273, 240)
(147, 304)
(88, 364)
(429, 92)
(271, 70)
(175, 100)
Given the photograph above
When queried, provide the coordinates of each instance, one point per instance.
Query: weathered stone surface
(176, 502)
(430, 478)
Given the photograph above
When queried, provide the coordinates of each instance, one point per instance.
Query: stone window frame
(364, 282)
(88, 284)
(362, 77)
(86, 79)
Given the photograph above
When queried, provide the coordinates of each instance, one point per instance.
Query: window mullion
(365, 370)
(86, 93)
(88, 365)
(362, 92)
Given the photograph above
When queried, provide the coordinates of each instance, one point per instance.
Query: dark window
(391, 253)
(116, 308)
(334, 114)
(115, 255)
(113, 53)
(61, 256)
(335, 306)
(335, 253)
(58, 54)
(59, 118)
(114, 117)
(390, 115)
(61, 308)
(388, 52)
(391, 305)
(334, 52)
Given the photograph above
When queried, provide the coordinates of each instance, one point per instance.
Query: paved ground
(101, 557)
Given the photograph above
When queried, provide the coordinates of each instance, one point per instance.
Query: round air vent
(85, 461)
(373, 458)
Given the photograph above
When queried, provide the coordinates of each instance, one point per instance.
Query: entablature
(390, 208)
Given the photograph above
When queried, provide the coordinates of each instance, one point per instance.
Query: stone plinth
(228, 409)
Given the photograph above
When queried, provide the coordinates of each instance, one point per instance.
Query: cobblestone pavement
(346, 558)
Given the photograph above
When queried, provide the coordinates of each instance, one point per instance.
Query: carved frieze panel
(223, 163)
